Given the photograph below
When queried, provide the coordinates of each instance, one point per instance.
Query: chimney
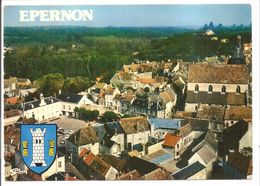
(42, 102)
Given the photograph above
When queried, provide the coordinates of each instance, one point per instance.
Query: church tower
(238, 56)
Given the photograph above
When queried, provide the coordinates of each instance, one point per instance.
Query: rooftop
(224, 74)
(171, 140)
(211, 112)
(240, 162)
(134, 125)
(188, 171)
(166, 123)
(238, 113)
(72, 98)
(34, 104)
(84, 136)
(158, 174)
(216, 98)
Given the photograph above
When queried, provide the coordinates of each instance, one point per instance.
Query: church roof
(218, 73)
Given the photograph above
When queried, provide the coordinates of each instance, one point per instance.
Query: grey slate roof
(216, 98)
(34, 104)
(188, 171)
(72, 98)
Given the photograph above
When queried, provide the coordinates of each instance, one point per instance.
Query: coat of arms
(38, 146)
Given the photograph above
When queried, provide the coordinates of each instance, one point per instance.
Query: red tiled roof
(171, 140)
(12, 100)
(89, 159)
(83, 152)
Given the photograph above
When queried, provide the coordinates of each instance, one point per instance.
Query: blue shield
(38, 146)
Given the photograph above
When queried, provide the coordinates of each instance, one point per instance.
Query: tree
(50, 84)
(76, 84)
(109, 116)
(87, 115)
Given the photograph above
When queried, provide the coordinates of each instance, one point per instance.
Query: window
(178, 146)
(178, 153)
(63, 106)
(59, 164)
(39, 141)
(196, 88)
(210, 88)
(69, 107)
(238, 90)
(36, 141)
(223, 89)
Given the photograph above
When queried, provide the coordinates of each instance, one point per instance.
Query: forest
(88, 53)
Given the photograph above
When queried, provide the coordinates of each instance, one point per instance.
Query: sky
(143, 15)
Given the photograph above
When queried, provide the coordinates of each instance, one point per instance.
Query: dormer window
(196, 88)
(223, 89)
(210, 89)
(238, 90)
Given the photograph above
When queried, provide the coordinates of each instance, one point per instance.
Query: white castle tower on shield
(38, 147)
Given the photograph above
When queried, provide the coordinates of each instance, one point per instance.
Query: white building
(70, 101)
(83, 138)
(137, 131)
(43, 109)
(110, 93)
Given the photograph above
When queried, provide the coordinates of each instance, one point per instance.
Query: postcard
(129, 92)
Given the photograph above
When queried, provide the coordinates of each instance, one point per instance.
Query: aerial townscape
(187, 117)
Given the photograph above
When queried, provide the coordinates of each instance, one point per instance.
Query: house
(118, 164)
(96, 167)
(187, 135)
(43, 109)
(210, 113)
(234, 114)
(142, 166)
(137, 132)
(159, 127)
(132, 175)
(173, 144)
(235, 138)
(11, 140)
(113, 141)
(57, 166)
(10, 85)
(158, 174)
(11, 117)
(71, 101)
(123, 79)
(167, 100)
(110, 93)
(83, 138)
(218, 84)
(206, 155)
(195, 171)
(95, 91)
(238, 166)
(126, 101)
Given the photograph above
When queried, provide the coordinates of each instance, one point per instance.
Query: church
(217, 84)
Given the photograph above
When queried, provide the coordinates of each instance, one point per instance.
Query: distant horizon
(142, 15)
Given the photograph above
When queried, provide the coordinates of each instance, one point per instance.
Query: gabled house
(96, 90)
(137, 132)
(159, 127)
(206, 155)
(70, 101)
(234, 114)
(173, 144)
(83, 138)
(167, 100)
(113, 141)
(109, 95)
(123, 79)
(94, 167)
